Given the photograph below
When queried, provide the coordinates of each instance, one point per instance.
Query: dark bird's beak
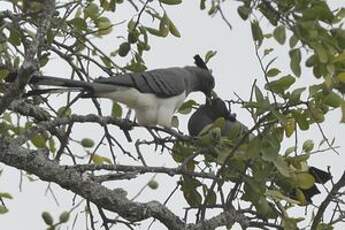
(210, 96)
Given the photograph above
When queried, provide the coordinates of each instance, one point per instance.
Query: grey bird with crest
(154, 95)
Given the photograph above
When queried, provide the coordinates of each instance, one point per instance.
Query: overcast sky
(235, 68)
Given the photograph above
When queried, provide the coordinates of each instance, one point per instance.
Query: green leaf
(154, 31)
(173, 30)
(257, 32)
(15, 37)
(244, 12)
(43, 59)
(268, 51)
(174, 122)
(3, 209)
(39, 141)
(133, 36)
(295, 60)
(192, 197)
(104, 26)
(280, 85)
(181, 151)
(282, 166)
(47, 218)
(333, 100)
(4, 73)
(277, 195)
(340, 77)
(289, 126)
(187, 107)
(87, 143)
(308, 146)
(79, 24)
(124, 49)
(64, 217)
(321, 53)
(258, 95)
(51, 144)
(64, 112)
(304, 180)
(289, 150)
(91, 11)
(109, 5)
(301, 119)
(153, 184)
(293, 41)
(171, 2)
(323, 226)
(319, 10)
(164, 25)
(202, 4)
(342, 113)
(296, 95)
(291, 223)
(5, 195)
(189, 187)
(98, 160)
(279, 34)
(210, 54)
(116, 110)
(273, 72)
(211, 197)
(316, 114)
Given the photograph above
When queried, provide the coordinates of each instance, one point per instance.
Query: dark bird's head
(207, 114)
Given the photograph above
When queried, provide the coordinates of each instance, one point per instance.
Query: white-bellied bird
(154, 95)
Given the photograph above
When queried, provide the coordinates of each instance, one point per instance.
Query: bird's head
(200, 80)
(206, 82)
(205, 75)
(219, 108)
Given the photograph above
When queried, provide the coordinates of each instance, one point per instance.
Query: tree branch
(69, 178)
(30, 64)
(317, 219)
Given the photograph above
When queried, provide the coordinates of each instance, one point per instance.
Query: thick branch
(81, 184)
(69, 178)
(142, 169)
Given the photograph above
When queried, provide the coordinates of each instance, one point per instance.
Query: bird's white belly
(149, 109)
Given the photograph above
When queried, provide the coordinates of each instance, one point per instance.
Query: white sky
(235, 68)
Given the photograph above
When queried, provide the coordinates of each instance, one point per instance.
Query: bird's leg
(126, 127)
(128, 115)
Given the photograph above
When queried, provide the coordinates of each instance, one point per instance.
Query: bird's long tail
(65, 85)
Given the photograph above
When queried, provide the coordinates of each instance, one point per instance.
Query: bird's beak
(214, 94)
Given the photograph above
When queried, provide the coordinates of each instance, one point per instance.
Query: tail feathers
(37, 92)
(55, 81)
(89, 89)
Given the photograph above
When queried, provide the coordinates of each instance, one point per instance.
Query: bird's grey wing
(161, 82)
(120, 80)
(166, 82)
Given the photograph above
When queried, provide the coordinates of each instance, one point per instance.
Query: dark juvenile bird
(155, 95)
(208, 113)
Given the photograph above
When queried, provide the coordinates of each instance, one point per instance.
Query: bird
(154, 95)
(208, 113)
